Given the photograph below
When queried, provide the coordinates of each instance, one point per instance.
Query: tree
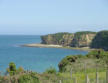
(12, 69)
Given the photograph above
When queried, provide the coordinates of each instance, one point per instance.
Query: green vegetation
(71, 68)
(51, 70)
(12, 68)
(100, 40)
(28, 78)
(59, 36)
(20, 78)
(85, 32)
(80, 77)
(15, 75)
(91, 60)
(66, 61)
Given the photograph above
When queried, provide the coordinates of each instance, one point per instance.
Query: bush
(12, 69)
(67, 61)
(51, 70)
(20, 70)
(28, 78)
(97, 54)
(12, 66)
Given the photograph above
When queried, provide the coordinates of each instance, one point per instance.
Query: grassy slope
(80, 77)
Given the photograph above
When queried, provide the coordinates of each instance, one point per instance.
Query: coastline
(56, 46)
(42, 45)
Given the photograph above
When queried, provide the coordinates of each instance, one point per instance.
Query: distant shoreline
(56, 46)
(43, 45)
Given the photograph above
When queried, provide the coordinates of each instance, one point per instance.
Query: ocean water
(30, 58)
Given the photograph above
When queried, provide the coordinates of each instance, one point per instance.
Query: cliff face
(83, 39)
(67, 39)
(58, 39)
(79, 39)
(100, 40)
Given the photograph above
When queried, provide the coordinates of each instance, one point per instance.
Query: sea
(30, 58)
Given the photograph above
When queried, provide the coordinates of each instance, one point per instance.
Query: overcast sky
(38, 17)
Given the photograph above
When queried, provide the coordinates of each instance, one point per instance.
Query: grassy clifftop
(94, 59)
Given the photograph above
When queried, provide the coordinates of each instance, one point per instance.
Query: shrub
(97, 54)
(28, 78)
(67, 61)
(20, 70)
(12, 69)
(51, 70)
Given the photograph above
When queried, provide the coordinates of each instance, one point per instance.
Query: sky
(37, 17)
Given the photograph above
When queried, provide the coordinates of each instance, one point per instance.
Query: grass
(66, 77)
(80, 77)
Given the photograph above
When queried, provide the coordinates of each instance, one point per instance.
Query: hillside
(94, 59)
(100, 40)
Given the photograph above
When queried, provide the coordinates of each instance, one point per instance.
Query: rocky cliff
(79, 39)
(82, 39)
(58, 39)
(100, 40)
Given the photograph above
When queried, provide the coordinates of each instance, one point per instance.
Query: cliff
(58, 39)
(79, 39)
(83, 39)
(100, 40)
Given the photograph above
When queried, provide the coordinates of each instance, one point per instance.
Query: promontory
(83, 39)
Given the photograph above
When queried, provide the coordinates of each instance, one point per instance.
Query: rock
(58, 39)
(83, 39)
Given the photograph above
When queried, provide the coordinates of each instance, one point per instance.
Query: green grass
(80, 77)
(65, 77)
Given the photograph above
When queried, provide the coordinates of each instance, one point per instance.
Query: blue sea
(30, 58)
